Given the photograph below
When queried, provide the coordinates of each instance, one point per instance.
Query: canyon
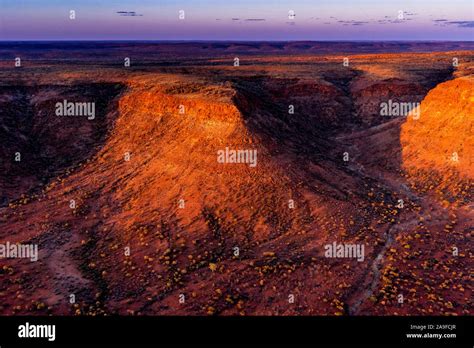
(132, 209)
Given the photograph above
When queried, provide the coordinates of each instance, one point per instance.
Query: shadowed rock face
(37, 145)
(235, 239)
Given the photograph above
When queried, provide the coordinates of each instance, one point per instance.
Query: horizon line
(235, 41)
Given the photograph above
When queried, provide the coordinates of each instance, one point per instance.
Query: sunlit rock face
(438, 146)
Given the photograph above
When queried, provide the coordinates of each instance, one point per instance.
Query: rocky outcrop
(438, 147)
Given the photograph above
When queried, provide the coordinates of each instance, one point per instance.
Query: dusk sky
(237, 20)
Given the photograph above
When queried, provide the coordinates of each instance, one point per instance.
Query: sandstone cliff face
(438, 148)
(368, 99)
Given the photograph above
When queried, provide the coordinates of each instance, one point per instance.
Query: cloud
(392, 21)
(460, 24)
(128, 14)
(353, 22)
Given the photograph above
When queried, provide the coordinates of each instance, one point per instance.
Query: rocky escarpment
(438, 147)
